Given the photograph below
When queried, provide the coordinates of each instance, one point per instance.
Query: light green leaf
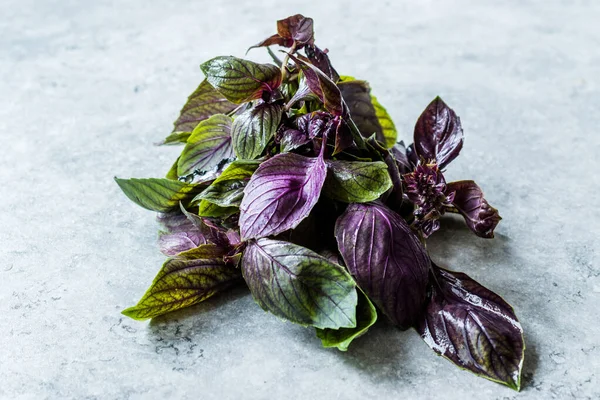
(228, 189)
(387, 125)
(207, 147)
(299, 285)
(156, 194)
(191, 277)
(211, 210)
(172, 174)
(355, 181)
(175, 138)
(252, 130)
(366, 315)
(241, 80)
(203, 103)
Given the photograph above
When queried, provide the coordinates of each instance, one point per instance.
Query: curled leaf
(480, 217)
(299, 285)
(438, 133)
(474, 328)
(366, 316)
(386, 259)
(280, 194)
(241, 80)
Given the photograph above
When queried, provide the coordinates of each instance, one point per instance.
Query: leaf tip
(133, 313)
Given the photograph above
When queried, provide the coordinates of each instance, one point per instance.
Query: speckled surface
(86, 87)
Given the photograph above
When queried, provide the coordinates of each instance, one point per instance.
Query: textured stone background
(86, 87)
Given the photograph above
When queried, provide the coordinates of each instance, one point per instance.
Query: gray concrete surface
(86, 87)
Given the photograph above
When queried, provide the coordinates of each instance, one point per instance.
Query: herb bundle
(291, 180)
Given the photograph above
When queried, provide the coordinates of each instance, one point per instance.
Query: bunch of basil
(291, 180)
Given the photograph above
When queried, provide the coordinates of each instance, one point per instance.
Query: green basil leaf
(299, 285)
(175, 138)
(228, 189)
(241, 80)
(209, 144)
(387, 125)
(156, 194)
(252, 130)
(355, 181)
(172, 174)
(203, 103)
(191, 277)
(211, 210)
(366, 315)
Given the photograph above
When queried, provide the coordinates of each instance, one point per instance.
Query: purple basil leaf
(280, 194)
(320, 59)
(297, 27)
(400, 154)
(178, 234)
(273, 40)
(211, 231)
(291, 139)
(241, 80)
(203, 103)
(357, 95)
(474, 328)
(480, 217)
(321, 85)
(343, 135)
(299, 285)
(171, 244)
(386, 259)
(207, 147)
(302, 94)
(252, 130)
(438, 133)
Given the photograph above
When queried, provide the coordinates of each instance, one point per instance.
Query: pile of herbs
(292, 181)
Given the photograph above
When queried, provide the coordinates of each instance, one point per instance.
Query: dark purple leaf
(302, 94)
(480, 217)
(321, 85)
(320, 59)
(400, 154)
(343, 135)
(314, 124)
(438, 133)
(297, 27)
(207, 147)
(291, 139)
(274, 40)
(203, 103)
(241, 80)
(280, 194)
(357, 96)
(386, 259)
(299, 285)
(474, 328)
